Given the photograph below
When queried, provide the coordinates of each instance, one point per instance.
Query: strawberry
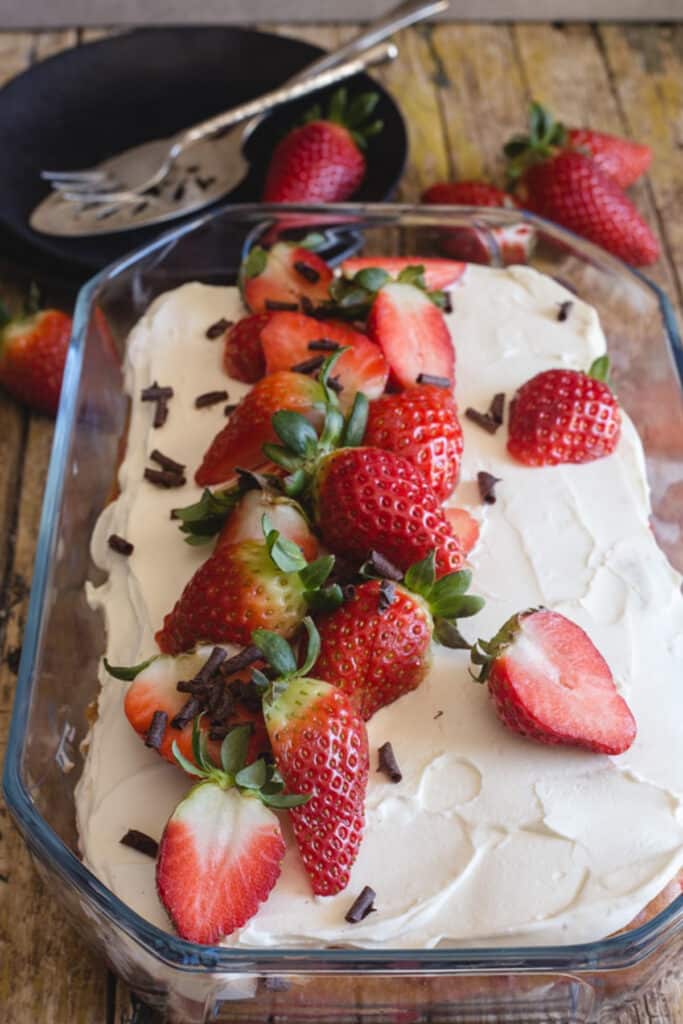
(438, 274)
(244, 586)
(240, 442)
(422, 425)
(322, 161)
(287, 338)
(154, 687)
(284, 274)
(550, 683)
(221, 850)
(621, 159)
(321, 748)
(32, 355)
(413, 334)
(570, 188)
(511, 244)
(377, 645)
(243, 352)
(564, 416)
(465, 527)
(285, 516)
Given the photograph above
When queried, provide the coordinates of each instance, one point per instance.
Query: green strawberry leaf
(332, 431)
(234, 749)
(420, 577)
(253, 776)
(295, 432)
(190, 768)
(414, 275)
(286, 555)
(285, 800)
(128, 672)
(455, 583)
(295, 483)
(312, 648)
(314, 575)
(196, 742)
(356, 422)
(276, 651)
(313, 241)
(281, 457)
(446, 632)
(599, 369)
(206, 517)
(360, 108)
(255, 262)
(371, 278)
(325, 600)
(260, 681)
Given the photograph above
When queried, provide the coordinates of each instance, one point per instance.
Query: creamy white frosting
(489, 838)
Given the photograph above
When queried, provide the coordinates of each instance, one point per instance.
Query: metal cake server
(213, 167)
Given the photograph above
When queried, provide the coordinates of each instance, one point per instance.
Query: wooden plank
(15, 51)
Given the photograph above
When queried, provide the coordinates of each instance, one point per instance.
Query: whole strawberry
(550, 683)
(570, 188)
(512, 244)
(221, 850)
(564, 416)
(322, 160)
(32, 355)
(242, 587)
(320, 747)
(422, 425)
(377, 645)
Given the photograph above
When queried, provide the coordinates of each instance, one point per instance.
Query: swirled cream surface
(489, 838)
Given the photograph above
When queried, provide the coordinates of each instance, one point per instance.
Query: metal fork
(91, 185)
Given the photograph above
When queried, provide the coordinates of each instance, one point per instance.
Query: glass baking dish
(64, 641)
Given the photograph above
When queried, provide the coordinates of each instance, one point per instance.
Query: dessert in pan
(392, 654)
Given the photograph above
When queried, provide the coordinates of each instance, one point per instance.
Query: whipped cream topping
(490, 839)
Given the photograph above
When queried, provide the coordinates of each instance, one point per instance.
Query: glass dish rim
(617, 951)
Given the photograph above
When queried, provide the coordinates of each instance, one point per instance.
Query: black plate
(87, 103)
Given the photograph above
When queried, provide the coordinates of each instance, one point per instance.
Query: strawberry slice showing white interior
(413, 334)
(438, 273)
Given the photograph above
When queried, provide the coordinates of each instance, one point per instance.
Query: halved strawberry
(284, 274)
(550, 683)
(438, 273)
(221, 850)
(465, 527)
(243, 352)
(286, 343)
(412, 333)
(240, 442)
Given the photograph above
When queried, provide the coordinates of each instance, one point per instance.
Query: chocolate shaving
(154, 392)
(164, 478)
(116, 543)
(335, 385)
(211, 665)
(229, 409)
(160, 413)
(383, 567)
(188, 711)
(388, 763)
(447, 303)
(482, 420)
(241, 660)
(307, 272)
(431, 378)
(387, 596)
(210, 398)
(308, 365)
(218, 329)
(487, 483)
(307, 306)
(349, 592)
(497, 407)
(324, 345)
(155, 733)
(281, 307)
(564, 310)
(361, 906)
(167, 463)
(438, 715)
(141, 842)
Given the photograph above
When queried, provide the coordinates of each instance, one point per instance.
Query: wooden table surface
(462, 89)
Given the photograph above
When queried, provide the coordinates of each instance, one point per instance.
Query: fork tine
(84, 176)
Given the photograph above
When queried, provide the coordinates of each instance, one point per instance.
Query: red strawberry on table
(243, 351)
(32, 355)
(377, 645)
(322, 161)
(564, 416)
(221, 850)
(438, 273)
(550, 683)
(283, 275)
(422, 425)
(412, 333)
(320, 747)
(287, 341)
(242, 587)
(513, 243)
(240, 442)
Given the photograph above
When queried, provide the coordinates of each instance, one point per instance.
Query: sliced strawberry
(286, 343)
(438, 274)
(240, 442)
(287, 517)
(550, 683)
(465, 527)
(219, 858)
(243, 352)
(284, 274)
(412, 333)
